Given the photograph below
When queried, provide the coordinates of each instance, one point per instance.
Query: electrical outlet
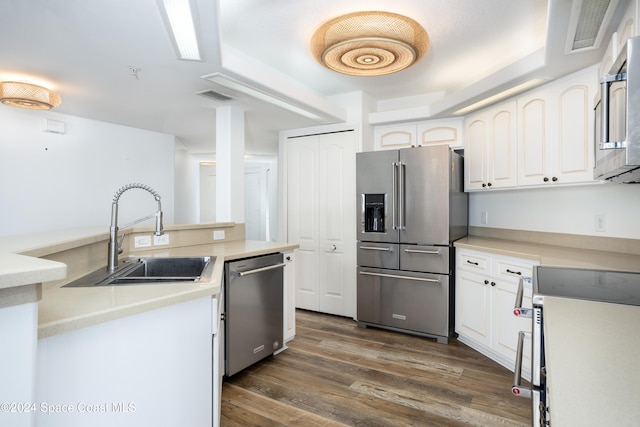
(161, 240)
(601, 223)
(218, 234)
(484, 217)
(142, 241)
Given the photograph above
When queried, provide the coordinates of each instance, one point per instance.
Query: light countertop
(64, 309)
(553, 256)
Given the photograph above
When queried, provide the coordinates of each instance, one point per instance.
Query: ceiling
(85, 49)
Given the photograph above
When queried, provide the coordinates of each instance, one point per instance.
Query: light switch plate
(161, 240)
(142, 241)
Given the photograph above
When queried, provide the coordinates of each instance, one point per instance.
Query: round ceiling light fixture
(369, 43)
(27, 95)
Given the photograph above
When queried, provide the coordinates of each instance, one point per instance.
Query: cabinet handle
(514, 272)
(472, 263)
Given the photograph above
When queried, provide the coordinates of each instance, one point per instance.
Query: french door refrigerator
(412, 209)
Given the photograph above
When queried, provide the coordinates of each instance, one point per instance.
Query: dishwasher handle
(260, 270)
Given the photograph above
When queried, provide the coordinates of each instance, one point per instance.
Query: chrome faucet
(115, 247)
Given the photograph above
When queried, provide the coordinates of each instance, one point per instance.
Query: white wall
(187, 207)
(51, 181)
(570, 210)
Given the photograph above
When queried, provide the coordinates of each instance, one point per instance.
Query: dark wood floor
(336, 374)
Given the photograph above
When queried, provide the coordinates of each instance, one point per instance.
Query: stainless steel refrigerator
(412, 209)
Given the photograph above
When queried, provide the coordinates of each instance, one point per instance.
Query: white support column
(229, 165)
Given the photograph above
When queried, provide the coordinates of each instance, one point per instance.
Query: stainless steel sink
(140, 270)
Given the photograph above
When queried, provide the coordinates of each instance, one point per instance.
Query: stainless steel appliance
(412, 207)
(583, 284)
(253, 293)
(617, 118)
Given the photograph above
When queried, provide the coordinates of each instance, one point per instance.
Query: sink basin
(137, 270)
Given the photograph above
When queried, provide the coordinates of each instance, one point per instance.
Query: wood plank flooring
(336, 374)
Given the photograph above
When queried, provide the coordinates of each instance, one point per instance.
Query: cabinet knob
(493, 283)
(486, 282)
(484, 185)
(554, 179)
(489, 184)
(545, 179)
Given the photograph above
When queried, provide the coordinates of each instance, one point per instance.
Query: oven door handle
(517, 389)
(518, 309)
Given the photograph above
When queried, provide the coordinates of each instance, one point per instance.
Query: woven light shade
(26, 95)
(369, 43)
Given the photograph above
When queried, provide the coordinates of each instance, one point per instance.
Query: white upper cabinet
(490, 148)
(628, 27)
(432, 132)
(555, 132)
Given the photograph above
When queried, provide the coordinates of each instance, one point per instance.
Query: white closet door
(302, 227)
(321, 211)
(337, 223)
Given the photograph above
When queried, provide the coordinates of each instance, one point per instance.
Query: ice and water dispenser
(374, 213)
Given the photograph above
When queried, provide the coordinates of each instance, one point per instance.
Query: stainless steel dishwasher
(253, 292)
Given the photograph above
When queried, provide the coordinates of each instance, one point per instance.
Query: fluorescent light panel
(242, 87)
(500, 96)
(179, 15)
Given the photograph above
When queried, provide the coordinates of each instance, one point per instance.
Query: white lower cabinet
(289, 317)
(486, 287)
(149, 369)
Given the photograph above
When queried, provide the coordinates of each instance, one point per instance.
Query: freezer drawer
(427, 259)
(379, 255)
(411, 302)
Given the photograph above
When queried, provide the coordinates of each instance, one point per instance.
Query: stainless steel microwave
(617, 118)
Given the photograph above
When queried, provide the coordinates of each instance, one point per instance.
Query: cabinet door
(473, 312)
(302, 216)
(573, 149)
(394, 136)
(535, 160)
(501, 150)
(475, 162)
(441, 132)
(505, 325)
(289, 287)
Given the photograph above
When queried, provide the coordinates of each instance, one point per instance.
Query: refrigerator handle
(394, 194)
(401, 201)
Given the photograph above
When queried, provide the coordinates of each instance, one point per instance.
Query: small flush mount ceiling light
(369, 43)
(27, 95)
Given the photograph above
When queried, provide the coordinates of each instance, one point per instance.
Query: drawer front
(512, 269)
(411, 301)
(378, 255)
(427, 259)
(472, 261)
